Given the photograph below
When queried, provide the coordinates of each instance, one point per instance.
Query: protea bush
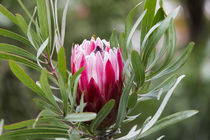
(106, 81)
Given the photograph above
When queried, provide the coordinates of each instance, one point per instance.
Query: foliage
(61, 116)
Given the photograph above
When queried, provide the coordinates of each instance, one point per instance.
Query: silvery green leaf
(82, 104)
(104, 111)
(138, 68)
(61, 139)
(157, 35)
(176, 65)
(150, 6)
(1, 126)
(131, 118)
(15, 36)
(129, 20)
(160, 138)
(162, 106)
(151, 95)
(138, 21)
(63, 27)
(132, 134)
(29, 30)
(74, 134)
(80, 117)
(113, 39)
(169, 120)
(123, 103)
(40, 50)
(148, 35)
(132, 100)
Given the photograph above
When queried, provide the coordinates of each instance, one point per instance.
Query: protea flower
(102, 78)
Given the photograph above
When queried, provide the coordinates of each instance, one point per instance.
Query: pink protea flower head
(102, 78)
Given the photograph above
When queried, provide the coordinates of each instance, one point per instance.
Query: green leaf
(177, 64)
(123, 103)
(80, 117)
(8, 56)
(150, 6)
(24, 8)
(114, 40)
(74, 134)
(22, 23)
(1, 126)
(138, 68)
(63, 27)
(159, 89)
(25, 79)
(122, 42)
(42, 16)
(169, 120)
(76, 74)
(151, 43)
(15, 36)
(105, 110)
(162, 106)
(134, 28)
(62, 63)
(44, 105)
(159, 16)
(35, 133)
(129, 20)
(170, 44)
(75, 89)
(46, 88)
(8, 14)
(132, 100)
(82, 104)
(40, 50)
(64, 93)
(16, 50)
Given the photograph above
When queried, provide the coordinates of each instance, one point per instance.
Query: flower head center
(98, 49)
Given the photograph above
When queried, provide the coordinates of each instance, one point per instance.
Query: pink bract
(102, 78)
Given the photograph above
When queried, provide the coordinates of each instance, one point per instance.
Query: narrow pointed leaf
(25, 79)
(138, 68)
(8, 56)
(35, 133)
(162, 106)
(122, 42)
(46, 88)
(150, 6)
(15, 36)
(44, 105)
(64, 93)
(114, 40)
(80, 117)
(177, 64)
(1, 126)
(157, 35)
(123, 103)
(129, 20)
(132, 100)
(8, 14)
(135, 27)
(169, 120)
(105, 110)
(62, 63)
(17, 51)
(63, 27)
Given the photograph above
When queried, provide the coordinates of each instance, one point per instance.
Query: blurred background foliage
(97, 17)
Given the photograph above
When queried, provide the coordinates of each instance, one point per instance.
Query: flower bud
(101, 79)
